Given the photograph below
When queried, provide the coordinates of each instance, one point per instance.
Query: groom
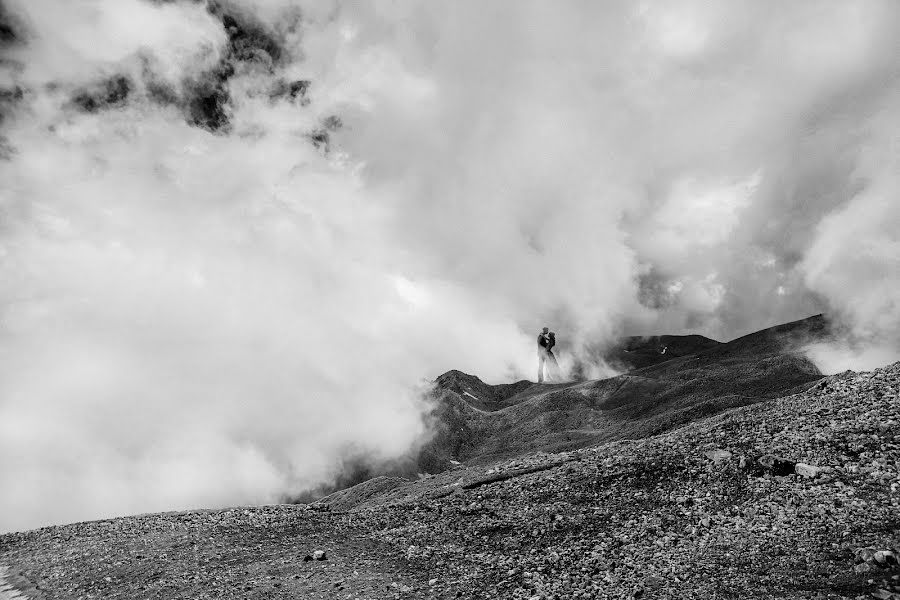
(543, 341)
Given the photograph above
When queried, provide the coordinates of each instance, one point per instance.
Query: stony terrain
(790, 498)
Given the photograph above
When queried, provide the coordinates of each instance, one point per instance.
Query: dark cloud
(249, 41)
(10, 27)
(111, 93)
(294, 90)
(207, 99)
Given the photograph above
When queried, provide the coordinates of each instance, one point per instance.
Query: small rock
(882, 594)
(653, 582)
(805, 470)
(862, 568)
(885, 557)
(865, 554)
(718, 455)
(319, 555)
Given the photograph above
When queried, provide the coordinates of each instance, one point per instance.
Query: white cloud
(854, 262)
(73, 41)
(697, 213)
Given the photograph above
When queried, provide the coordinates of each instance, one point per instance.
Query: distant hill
(478, 393)
(476, 421)
(635, 352)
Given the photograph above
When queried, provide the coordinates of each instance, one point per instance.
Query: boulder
(805, 470)
(717, 455)
(864, 554)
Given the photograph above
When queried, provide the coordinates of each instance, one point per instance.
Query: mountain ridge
(479, 421)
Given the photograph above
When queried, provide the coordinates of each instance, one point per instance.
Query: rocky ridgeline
(791, 498)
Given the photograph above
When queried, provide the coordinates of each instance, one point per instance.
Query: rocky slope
(790, 498)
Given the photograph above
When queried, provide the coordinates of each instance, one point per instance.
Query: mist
(236, 238)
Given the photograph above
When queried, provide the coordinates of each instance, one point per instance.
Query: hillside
(636, 352)
(792, 498)
(478, 422)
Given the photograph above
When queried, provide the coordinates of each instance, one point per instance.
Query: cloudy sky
(236, 236)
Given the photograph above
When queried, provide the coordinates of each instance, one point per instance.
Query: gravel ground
(791, 498)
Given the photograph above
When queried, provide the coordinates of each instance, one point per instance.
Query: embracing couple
(546, 340)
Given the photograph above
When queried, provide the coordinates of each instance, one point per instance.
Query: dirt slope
(794, 498)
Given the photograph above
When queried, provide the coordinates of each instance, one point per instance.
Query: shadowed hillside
(636, 352)
(478, 393)
(478, 421)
